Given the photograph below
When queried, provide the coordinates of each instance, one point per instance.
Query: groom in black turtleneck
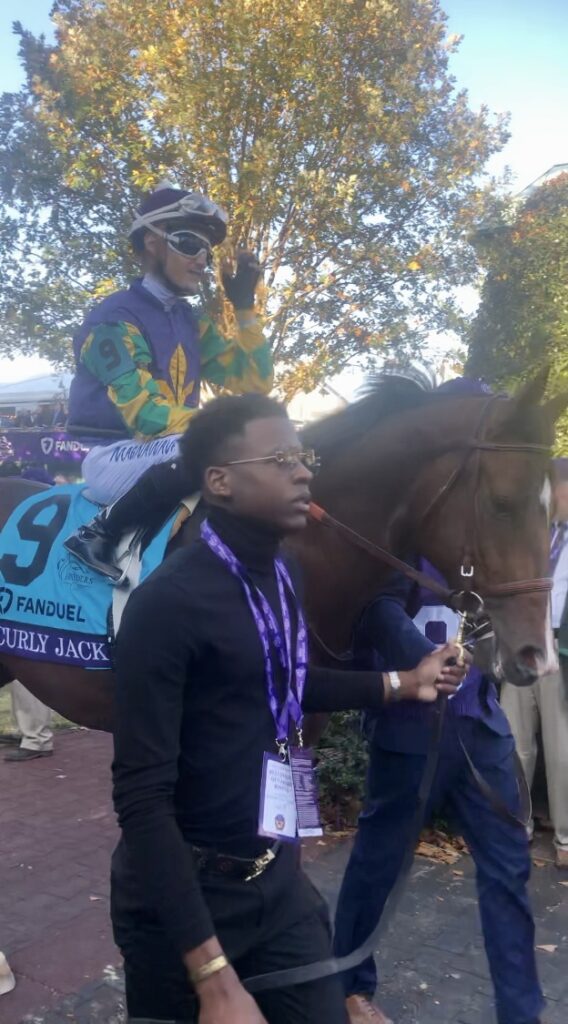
(200, 899)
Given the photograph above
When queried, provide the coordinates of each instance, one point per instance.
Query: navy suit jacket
(387, 639)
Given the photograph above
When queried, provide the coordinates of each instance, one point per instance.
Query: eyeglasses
(288, 460)
(188, 244)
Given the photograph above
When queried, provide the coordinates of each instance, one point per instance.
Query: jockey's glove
(240, 286)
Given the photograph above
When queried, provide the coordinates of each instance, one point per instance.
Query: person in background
(24, 419)
(59, 416)
(544, 705)
(33, 737)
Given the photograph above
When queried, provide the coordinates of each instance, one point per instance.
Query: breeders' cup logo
(47, 444)
(6, 598)
(70, 570)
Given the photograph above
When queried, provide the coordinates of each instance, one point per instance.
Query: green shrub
(342, 764)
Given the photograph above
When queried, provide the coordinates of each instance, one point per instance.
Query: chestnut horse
(464, 481)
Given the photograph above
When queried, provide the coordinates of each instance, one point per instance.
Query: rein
(449, 597)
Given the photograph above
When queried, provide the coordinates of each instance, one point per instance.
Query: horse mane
(381, 398)
(384, 397)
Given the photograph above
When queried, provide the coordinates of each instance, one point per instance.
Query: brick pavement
(57, 832)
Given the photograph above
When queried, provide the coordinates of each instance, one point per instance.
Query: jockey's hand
(437, 673)
(223, 1000)
(240, 286)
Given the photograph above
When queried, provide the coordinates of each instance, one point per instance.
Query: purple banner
(46, 446)
(57, 645)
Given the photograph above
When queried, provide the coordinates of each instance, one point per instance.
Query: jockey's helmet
(166, 204)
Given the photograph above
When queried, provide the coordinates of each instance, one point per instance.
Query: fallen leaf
(539, 863)
(563, 883)
(548, 949)
(456, 871)
(445, 856)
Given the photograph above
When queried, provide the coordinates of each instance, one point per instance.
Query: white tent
(53, 387)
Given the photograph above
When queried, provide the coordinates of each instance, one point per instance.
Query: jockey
(141, 355)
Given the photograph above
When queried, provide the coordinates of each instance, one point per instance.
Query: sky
(512, 58)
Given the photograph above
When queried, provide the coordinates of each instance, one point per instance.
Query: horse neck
(368, 488)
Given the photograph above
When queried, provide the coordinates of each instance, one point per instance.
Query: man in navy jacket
(397, 630)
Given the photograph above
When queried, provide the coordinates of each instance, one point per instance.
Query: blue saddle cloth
(52, 608)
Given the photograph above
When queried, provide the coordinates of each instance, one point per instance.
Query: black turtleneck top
(193, 721)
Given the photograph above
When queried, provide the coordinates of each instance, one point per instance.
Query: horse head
(461, 480)
(482, 510)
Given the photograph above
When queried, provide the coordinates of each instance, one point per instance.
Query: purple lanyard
(295, 665)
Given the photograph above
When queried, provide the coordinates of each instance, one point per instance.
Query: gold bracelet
(206, 970)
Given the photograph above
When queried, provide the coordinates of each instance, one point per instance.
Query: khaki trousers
(31, 718)
(545, 704)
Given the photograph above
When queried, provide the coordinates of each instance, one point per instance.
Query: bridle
(472, 457)
(466, 598)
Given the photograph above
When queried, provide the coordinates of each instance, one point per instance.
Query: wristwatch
(395, 684)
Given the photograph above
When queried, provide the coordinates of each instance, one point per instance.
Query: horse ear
(532, 392)
(556, 406)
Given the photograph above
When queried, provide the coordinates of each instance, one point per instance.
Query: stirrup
(136, 541)
(100, 570)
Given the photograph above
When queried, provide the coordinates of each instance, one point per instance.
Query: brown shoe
(22, 754)
(362, 1011)
(561, 859)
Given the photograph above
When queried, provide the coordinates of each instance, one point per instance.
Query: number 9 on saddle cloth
(52, 608)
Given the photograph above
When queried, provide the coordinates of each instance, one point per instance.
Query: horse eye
(503, 508)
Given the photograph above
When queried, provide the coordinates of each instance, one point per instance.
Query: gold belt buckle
(260, 865)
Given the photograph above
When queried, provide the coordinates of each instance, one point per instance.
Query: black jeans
(277, 920)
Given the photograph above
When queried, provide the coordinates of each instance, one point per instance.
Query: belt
(211, 862)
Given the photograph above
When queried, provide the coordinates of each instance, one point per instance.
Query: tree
(331, 132)
(522, 321)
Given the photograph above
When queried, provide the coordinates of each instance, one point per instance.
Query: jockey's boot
(146, 505)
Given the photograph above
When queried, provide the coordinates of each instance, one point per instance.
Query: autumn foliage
(522, 321)
(331, 131)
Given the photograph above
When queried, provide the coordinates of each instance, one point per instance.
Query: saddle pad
(52, 608)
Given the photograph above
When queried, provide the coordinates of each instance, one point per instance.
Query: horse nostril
(529, 656)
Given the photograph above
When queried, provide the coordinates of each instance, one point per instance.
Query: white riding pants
(111, 470)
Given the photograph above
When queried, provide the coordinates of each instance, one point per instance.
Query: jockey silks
(140, 364)
(141, 333)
